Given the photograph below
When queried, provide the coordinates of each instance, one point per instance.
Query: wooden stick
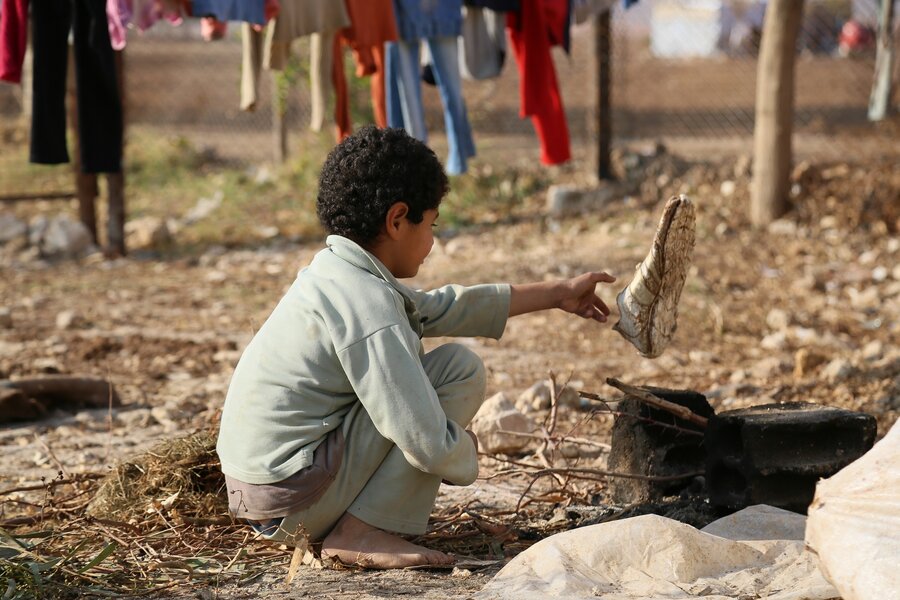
(646, 397)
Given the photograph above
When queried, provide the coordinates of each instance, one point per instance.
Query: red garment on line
(530, 32)
(13, 39)
(372, 24)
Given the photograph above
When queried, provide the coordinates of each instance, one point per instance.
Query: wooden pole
(774, 111)
(115, 182)
(279, 108)
(603, 55)
(85, 183)
(880, 99)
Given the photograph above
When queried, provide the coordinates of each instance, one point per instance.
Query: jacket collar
(359, 257)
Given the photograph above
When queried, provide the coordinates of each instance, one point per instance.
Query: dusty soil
(807, 310)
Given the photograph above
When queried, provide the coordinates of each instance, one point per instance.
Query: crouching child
(336, 423)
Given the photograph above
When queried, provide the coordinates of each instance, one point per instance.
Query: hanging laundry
(531, 32)
(299, 18)
(496, 5)
(372, 25)
(321, 55)
(483, 48)
(99, 107)
(271, 47)
(249, 11)
(145, 13)
(13, 39)
(438, 24)
(212, 29)
(585, 10)
(118, 16)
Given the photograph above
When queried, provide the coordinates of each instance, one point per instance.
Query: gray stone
(874, 350)
(65, 237)
(204, 208)
(778, 319)
(147, 232)
(567, 200)
(68, 319)
(837, 370)
(767, 368)
(496, 417)
(11, 228)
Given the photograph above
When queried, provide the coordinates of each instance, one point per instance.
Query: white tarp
(854, 524)
(655, 557)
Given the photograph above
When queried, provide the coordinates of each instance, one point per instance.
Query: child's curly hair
(367, 173)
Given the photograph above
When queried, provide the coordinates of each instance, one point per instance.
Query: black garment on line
(99, 106)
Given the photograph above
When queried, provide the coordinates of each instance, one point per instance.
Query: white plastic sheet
(654, 557)
(854, 524)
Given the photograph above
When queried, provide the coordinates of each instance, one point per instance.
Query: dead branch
(77, 478)
(646, 397)
(87, 391)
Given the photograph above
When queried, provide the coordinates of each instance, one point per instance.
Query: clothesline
(386, 39)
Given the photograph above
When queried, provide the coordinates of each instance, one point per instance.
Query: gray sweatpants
(375, 483)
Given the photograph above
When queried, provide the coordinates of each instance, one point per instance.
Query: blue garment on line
(404, 95)
(419, 19)
(250, 11)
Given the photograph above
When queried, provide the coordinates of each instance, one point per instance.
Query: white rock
(727, 188)
(267, 232)
(782, 227)
(6, 321)
(774, 341)
(11, 228)
(65, 237)
(868, 297)
(537, 397)
(498, 415)
(879, 273)
(767, 368)
(828, 222)
(895, 272)
(702, 357)
(68, 319)
(204, 208)
(147, 232)
(778, 319)
(874, 350)
(837, 370)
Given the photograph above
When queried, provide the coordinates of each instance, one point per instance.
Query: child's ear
(395, 217)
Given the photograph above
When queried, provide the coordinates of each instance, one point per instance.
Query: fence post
(602, 56)
(774, 121)
(880, 100)
(85, 183)
(279, 108)
(115, 182)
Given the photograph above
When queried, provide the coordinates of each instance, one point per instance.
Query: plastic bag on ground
(655, 557)
(854, 524)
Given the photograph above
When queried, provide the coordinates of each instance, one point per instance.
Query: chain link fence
(683, 71)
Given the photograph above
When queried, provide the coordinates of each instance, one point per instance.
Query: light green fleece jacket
(348, 332)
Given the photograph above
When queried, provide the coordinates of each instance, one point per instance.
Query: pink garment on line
(118, 16)
(13, 39)
(148, 12)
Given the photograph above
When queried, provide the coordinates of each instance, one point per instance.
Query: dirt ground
(806, 310)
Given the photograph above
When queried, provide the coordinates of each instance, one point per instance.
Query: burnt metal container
(775, 453)
(647, 448)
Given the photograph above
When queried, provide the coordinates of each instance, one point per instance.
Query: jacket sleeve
(455, 310)
(387, 375)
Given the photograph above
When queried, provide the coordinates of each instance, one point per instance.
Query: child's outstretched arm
(576, 295)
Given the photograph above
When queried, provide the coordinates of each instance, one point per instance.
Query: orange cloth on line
(372, 24)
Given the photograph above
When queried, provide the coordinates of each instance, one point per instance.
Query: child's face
(417, 241)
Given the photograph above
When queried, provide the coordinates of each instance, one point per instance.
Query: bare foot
(354, 542)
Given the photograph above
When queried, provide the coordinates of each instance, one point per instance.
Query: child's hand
(579, 297)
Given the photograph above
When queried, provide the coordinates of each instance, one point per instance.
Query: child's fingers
(601, 277)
